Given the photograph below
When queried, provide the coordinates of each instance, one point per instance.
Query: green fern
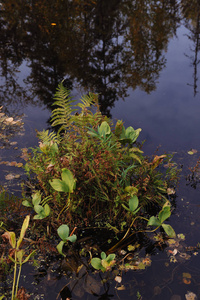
(62, 114)
(88, 100)
(48, 137)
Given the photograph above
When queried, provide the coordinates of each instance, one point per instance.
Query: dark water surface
(142, 57)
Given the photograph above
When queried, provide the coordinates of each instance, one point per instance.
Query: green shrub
(106, 163)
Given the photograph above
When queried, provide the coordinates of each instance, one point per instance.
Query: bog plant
(41, 208)
(92, 171)
(104, 263)
(19, 255)
(63, 232)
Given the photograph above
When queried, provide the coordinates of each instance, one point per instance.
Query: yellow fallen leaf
(121, 288)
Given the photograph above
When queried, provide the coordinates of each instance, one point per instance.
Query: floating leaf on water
(173, 259)
(190, 296)
(92, 286)
(13, 143)
(171, 191)
(118, 279)
(141, 266)
(187, 275)
(9, 120)
(157, 290)
(181, 236)
(121, 288)
(173, 252)
(132, 247)
(184, 256)
(186, 280)
(10, 176)
(172, 242)
(123, 252)
(146, 261)
(192, 151)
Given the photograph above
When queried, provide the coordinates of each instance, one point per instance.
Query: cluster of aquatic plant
(90, 171)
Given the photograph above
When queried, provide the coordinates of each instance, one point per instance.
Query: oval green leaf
(169, 230)
(63, 232)
(133, 203)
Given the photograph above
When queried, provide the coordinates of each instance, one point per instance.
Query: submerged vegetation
(91, 174)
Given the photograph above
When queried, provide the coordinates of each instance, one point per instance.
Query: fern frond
(88, 100)
(62, 114)
(47, 137)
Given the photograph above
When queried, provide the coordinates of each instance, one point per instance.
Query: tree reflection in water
(102, 46)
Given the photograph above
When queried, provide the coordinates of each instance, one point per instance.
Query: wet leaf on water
(174, 252)
(92, 286)
(187, 275)
(141, 266)
(190, 296)
(13, 143)
(172, 242)
(132, 247)
(184, 256)
(192, 151)
(118, 279)
(9, 120)
(171, 191)
(10, 176)
(157, 290)
(24, 154)
(173, 259)
(181, 236)
(186, 278)
(121, 288)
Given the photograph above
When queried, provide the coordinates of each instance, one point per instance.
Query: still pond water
(142, 57)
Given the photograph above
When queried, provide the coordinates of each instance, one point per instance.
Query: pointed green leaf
(164, 214)
(103, 255)
(133, 203)
(68, 179)
(14, 261)
(27, 203)
(23, 230)
(36, 198)
(96, 263)
(110, 257)
(153, 221)
(104, 129)
(59, 185)
(19, 255)
(169, 230)
(63, 232)
(29, 256)
(72, 238)
(39, 217)
(47, 210)
(60, 247)
(39, 209)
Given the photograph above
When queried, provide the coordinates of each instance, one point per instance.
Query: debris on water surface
(190, 296)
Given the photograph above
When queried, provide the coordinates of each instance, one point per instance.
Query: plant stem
(18, 277)
(14, 277)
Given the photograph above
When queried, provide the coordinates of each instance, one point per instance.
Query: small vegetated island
(91, 174)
